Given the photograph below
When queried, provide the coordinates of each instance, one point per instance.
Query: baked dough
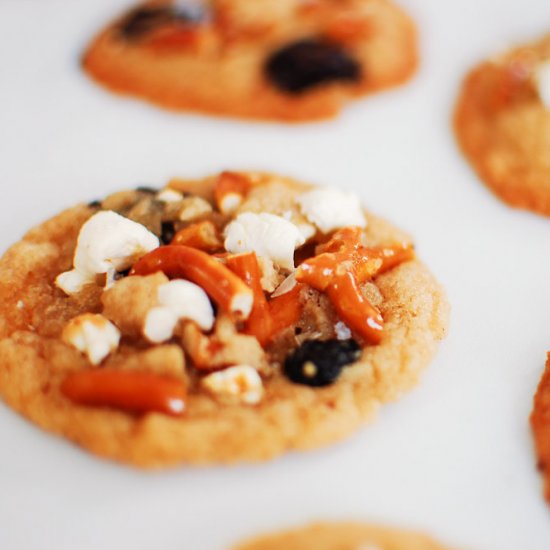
(503, 127)
(343, 536)
(289, 60)
(34, 360)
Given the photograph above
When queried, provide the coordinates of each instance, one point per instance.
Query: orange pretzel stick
(286, 309)
(202, 235)
(391, 256)
(319, 271)
(259, 322)
(354, 309)
(137, 392)
(345, 239)
(221, 284)
(230, 190)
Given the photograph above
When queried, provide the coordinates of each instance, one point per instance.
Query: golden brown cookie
(503, 125)
(111, 340)
(343, 536)
(291, 60)
(540, 422)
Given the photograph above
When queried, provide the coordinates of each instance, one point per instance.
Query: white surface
(453, 458)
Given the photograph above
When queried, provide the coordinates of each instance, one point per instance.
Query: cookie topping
(144, 19)
(177, 300)
(306, 64)
(320, 363)
(230, 190)
(233, 244)
(267, 235)
(331, 209)
(169, 195)
(542, 79)
(93, 335)
(132, 391)
(241, 384)
(107, 243)
(225, 288)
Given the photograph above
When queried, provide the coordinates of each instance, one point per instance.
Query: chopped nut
(225, 347)
(240, 383)
(147, 212)
(92, 335)
(270, 276)
(192, 208)
(169, 195)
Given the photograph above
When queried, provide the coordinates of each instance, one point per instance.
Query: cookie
(502, 122)
(540, 423)
(343, 536)
(219, 320)
(289, 60)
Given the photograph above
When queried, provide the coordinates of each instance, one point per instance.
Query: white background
(454, 457)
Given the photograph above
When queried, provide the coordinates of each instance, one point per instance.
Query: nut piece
(331, 209)
(93, 335)
(226, 347)
(269, 236)
(192, 208)
(240, 384)
(169, 195)
(107, 243)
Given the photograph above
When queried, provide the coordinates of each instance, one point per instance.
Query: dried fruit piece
(319, 363)
(307, 64)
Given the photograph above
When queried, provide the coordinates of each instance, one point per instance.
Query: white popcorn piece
(542, 80)
(93, 335)
(331, 209)
(169, 195)
(107, 243)
(267, 235)
(160, 324)
(240, 383)
(178, 299)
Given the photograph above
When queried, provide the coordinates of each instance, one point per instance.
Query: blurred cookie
(540, 422)
(343, 536)
(502, 123)
(218, 320)
(292, 60)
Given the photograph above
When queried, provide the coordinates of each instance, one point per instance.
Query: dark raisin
(147, 190)
(145, 19)
(308, 63)
(94, 204)
(121, 274)
(319, 363)
(167, 233)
